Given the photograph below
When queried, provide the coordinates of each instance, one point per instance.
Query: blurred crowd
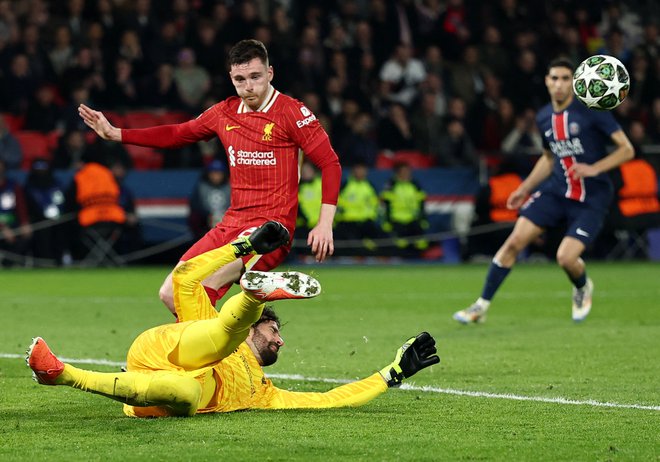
(450, 83)
(452, 79)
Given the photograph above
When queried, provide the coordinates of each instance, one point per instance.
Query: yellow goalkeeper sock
(179, 393)
(206, 342)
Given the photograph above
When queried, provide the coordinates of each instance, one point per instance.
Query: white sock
(482, 302)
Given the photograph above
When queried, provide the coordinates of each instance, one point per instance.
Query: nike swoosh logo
(581, 232)
(231, 127)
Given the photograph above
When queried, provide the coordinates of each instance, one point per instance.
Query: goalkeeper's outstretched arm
(414, 355)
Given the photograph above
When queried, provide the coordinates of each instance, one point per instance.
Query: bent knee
(565, 260)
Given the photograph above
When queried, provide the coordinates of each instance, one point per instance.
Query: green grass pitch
(528, 348)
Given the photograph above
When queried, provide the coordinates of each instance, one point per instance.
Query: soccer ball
(601, 82)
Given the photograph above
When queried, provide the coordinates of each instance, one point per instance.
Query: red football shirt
(264, 152)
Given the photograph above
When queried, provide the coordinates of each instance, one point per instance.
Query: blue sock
(494, 279)
(580, 281)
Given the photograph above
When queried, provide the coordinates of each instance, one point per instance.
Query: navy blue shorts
(549, 211)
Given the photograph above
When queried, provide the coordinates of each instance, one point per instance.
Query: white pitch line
(405, 386)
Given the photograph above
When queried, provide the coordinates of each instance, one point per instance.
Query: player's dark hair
(268, 315)
(561, 62)
(246, 50)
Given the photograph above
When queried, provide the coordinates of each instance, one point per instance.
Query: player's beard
(268, 351)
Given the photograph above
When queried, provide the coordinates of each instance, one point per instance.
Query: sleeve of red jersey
(309, 135)
(175, 135)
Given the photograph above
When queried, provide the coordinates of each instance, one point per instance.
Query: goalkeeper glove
(416, 354)
(266, 238)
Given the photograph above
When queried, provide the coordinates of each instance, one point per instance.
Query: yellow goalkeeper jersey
(240, 380)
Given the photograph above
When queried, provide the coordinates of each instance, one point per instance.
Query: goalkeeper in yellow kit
(212, 361)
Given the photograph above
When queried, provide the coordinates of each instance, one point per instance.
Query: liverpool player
(574, 191)
(264, 134)
(213, 362)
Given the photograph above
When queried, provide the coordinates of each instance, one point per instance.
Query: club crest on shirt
(573, 128)
(268, 132)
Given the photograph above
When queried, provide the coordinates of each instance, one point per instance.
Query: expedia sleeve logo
(308, 117)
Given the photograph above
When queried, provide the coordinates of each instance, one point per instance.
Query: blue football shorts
(548, 211)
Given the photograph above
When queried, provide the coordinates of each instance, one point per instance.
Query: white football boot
(474, 313)
(270, 286)
(582, 301)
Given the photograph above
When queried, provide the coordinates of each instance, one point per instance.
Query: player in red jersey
(264, 134)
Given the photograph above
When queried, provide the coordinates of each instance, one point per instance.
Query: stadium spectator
(401, 76)
(32, 47)
(165, 47)
(492, 54)
(192, 81)
(358, 145)
(404, 217)
(454, 31)
(427, 126)
(11, 154)
(130, 49)
(578, 192)
(207, 47)
(71, 151)
(15, 229)
(43, 114)
(525, 84)
(205, 359)
(121, 89)
(264, 182)
(160, 89)
(456, 147)
(523, 143)
(62, 53)
(18, 85)
(615, 46)
(210, 199)
(75, 20)
(435, 85)
(45, 203)
(394, 130)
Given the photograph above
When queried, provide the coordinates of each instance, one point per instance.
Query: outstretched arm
(414, 355)
(161, 136)
(99, 123)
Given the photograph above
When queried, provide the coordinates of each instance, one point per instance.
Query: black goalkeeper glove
(413, 356)
(266, 238)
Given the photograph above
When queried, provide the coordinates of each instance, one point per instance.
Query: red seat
(14, 123)
(416, 159)
(140, 120)
(144, 158)
(174, 117)
(35, 144)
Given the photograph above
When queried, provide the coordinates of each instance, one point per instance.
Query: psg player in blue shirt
(568, 185)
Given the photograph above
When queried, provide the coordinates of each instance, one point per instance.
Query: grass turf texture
(529, 347)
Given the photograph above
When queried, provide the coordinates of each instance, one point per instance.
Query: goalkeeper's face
(265, 341)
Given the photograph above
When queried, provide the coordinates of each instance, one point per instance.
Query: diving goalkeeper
(213, 361)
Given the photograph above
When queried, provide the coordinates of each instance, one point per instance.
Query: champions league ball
(601, 82)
